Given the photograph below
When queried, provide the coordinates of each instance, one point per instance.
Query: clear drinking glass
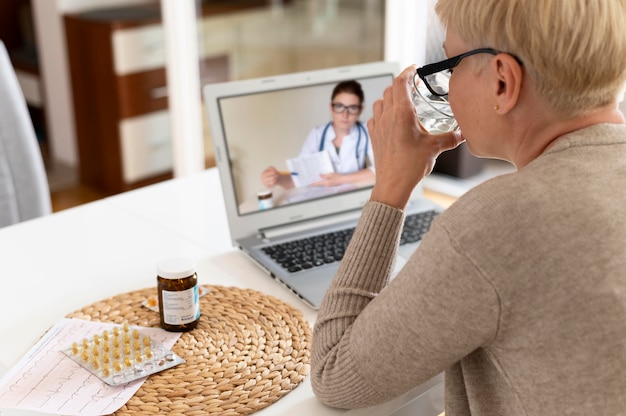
(433, 111)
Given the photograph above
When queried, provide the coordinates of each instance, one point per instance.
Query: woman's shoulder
(492, 193)
(492, 203)
(321, 127)
(317, 132)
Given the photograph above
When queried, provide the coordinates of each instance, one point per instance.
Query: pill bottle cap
(265, 192)
(176, 268)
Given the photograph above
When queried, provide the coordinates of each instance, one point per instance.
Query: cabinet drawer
(142, 92)
(143, 48)
(138, 49)
(145, 92)
(146, 146)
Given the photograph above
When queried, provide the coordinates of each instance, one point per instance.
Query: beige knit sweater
(518, 292)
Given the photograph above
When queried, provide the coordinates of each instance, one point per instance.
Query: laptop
(257, 123)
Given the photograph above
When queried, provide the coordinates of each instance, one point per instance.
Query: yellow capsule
(146, 341)
(95, 363)
(126, 339)
(106, 371)
(125, 327)
(85, 343)
(116, 354)
(105, 335)
(116, 342)
(117, 366)
(148, 352)
(95, 351)
(128, 362)
(116, 331)
(106, 359)
(138, 357)
(136, 334)
(74, 348)
(136, 346)
(85, 356)
(96, 339)
(126, 349)
(106, 347)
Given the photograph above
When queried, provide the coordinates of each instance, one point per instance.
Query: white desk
(54, 265)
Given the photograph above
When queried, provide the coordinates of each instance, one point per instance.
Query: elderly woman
(518, 291)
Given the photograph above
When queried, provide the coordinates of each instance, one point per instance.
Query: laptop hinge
(304, 226)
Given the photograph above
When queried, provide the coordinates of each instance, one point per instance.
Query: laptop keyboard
(318, 250)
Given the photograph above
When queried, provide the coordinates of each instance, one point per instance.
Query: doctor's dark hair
(350, 87)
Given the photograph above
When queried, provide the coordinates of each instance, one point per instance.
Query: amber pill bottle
(265, 200)
(177, 286)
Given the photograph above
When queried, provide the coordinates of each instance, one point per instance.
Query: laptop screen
(284, 125)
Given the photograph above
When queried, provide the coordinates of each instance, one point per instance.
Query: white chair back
(24, 191)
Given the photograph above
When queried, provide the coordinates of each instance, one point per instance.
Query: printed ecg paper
(48, 381)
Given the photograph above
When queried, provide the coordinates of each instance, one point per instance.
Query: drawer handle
(159, 92)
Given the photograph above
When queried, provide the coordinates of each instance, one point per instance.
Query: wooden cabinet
(117, 64)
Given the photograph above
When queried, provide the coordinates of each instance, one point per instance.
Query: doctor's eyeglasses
(340, 108)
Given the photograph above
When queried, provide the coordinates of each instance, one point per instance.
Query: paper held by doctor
(307, 169)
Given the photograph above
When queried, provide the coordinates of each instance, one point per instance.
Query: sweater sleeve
(364, 271)
(373, 341)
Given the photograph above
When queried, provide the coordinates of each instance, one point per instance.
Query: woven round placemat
(248, 350)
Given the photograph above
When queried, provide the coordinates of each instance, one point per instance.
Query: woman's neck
(544, 136)
(340, 132)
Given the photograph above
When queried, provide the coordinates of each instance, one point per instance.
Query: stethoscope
(358, 141)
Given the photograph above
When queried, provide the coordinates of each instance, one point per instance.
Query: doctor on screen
(345, 139)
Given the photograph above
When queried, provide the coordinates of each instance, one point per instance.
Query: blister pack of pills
(122, 355)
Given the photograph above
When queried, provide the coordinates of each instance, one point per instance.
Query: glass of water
(433, 111)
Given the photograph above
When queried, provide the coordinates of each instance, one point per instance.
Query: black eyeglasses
(340, 108)
(436, 76)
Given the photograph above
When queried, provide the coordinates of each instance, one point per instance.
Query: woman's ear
(509, 76)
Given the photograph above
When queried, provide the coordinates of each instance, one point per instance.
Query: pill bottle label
(181, 307)
(265, 204)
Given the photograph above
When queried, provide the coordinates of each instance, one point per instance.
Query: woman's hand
(403, 150)
(330, 179)
(269, 177)
(272, 177)
(359, 178)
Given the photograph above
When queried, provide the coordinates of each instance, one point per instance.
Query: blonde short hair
(574, 50)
